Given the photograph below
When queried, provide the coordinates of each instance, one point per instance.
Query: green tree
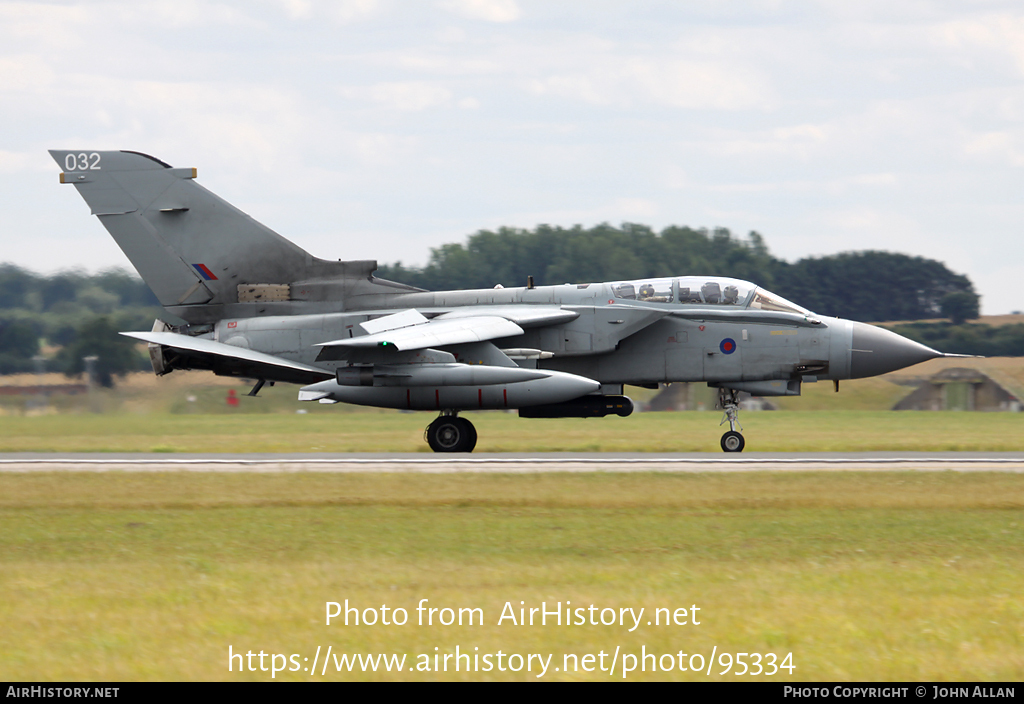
(98, 337)
(129, 288)
(60, 288)
(870, 285)
(959, 306)
(969, 338)
(15, 284)
(97, 300)
(19, 342)
(557, 255)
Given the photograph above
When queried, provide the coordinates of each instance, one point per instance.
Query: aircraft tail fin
(190, 246)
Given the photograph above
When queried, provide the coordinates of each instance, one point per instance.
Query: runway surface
(519, 463)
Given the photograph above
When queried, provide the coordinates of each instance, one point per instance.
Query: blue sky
(378, 128)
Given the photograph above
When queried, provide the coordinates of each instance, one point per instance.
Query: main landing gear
(732, 441)
(449, 433)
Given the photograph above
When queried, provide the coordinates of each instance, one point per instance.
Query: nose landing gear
(449, 433)
(732, 441)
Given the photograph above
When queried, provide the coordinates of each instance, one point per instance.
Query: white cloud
(43, 27)
(24, 72)
(488, 10)
(380, 149)
(451, 35)
(348, 11)
(1003, 34)
(875, 180)
(37, 160)
(297, 9)
(179, 13)
(249, 126)
(339, 12)
(823, 124)
(1001, 145)
(616, 210)
(801, 133)
(405, 96)
(682, 84)
(632, 208)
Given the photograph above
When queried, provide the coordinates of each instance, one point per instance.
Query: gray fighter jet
(257, 306)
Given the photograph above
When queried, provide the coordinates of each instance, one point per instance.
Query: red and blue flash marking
(728, 346)
(205, 272)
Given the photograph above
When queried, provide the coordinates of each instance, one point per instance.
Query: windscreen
(765, 300)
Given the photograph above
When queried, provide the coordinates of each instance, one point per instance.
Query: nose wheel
(732, 441)
(449, 433)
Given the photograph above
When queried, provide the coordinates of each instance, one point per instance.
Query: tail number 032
(82, 162)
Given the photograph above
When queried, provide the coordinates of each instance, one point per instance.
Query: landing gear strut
(732, 441)
(449, 433)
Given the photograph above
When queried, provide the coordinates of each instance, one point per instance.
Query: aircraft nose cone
(878, 351)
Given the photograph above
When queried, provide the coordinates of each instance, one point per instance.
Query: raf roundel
(728, 346)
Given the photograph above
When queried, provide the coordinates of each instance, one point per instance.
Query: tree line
(984, 340)
(52, 322)
(868, 286)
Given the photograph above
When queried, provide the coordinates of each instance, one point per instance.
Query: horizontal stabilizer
(266, 365)
(436, 333)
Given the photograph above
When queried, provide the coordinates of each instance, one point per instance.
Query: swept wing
(435, 333)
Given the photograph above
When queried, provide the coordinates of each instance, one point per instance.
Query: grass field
(881, 576)
(390, 431)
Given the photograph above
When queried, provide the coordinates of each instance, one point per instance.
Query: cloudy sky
(381, 128)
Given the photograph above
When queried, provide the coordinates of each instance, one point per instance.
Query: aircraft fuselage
(611, 340)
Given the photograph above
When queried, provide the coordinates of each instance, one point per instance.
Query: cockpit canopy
(704, 291)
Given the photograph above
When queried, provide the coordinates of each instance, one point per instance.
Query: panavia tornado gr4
(255, 305)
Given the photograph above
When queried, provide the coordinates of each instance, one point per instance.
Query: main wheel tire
(451, 434)
(732, 442)
(470, 434)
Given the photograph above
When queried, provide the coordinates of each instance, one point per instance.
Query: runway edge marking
(497, 465)
(529, 460)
